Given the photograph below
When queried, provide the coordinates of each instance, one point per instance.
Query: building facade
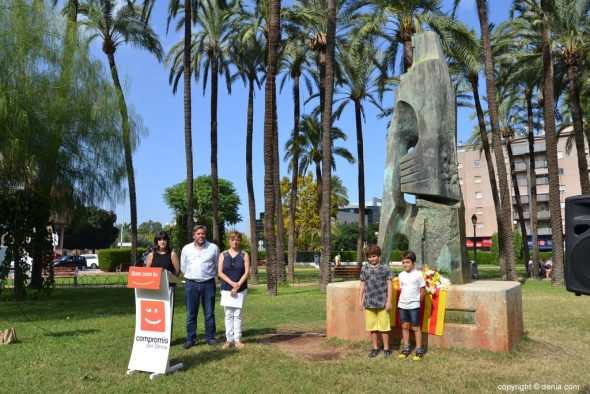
(477, 193)
(350, 213)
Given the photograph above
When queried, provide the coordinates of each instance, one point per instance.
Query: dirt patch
(307, 345)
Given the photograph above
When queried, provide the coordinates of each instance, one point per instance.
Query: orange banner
(144, 278)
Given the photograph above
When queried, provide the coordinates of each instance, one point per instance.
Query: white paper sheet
(234, 302)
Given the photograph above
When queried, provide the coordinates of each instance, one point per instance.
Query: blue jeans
(196, 293)
(409, 315)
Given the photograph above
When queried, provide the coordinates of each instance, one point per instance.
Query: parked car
(91, 260)
(3, 255)
(70, 261)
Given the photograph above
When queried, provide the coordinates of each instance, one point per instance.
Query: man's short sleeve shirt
(375, 278)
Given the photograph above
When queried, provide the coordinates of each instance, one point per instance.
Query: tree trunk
(523, 232)
(408, 54)
(361, 183)
(319, 182)
(281, 273)
(505, 200)
(217, 237)
(269, 121)
(250, 185)
(327, 147)
(292, 243)
(532, 185)
(128, 156)
(485, 143)
(188, 135)
(578, 120)
(551, 143)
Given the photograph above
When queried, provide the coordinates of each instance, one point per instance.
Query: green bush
(483, 257)
(109, 259)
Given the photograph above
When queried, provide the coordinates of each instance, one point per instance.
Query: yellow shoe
(404, 353)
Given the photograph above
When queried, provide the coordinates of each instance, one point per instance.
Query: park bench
(347, 272)
(65, 272)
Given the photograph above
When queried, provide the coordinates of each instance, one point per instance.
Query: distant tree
(149, 228)
(229, 201)
(91, 228)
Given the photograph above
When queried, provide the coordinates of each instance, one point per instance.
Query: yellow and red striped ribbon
(432, 310)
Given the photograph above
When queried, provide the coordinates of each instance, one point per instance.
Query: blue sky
(160, 159)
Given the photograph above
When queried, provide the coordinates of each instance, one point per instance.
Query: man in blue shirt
(198, 263)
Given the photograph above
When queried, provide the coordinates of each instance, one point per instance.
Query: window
(478, 195)
(561, 171)
(476, 164)
(561, 188)
(480, 226)
(479, 210)
(477, 179)
(559, 154)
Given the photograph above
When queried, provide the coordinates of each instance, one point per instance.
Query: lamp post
(474, 273)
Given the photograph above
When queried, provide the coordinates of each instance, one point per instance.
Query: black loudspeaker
(577, 244)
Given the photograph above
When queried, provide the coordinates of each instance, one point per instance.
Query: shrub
(483, 257)
(109, 259)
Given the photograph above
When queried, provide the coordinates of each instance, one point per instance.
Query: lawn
(80, 340)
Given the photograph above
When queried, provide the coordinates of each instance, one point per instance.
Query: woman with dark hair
(163, 256)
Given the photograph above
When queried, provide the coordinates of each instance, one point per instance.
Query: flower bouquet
(434, 280)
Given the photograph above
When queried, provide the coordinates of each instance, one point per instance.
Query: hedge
(109, 259)
(483, 257)
(345, 255)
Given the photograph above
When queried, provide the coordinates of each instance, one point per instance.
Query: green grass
(79, 340)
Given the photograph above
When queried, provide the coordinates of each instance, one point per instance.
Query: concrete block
(484, 315)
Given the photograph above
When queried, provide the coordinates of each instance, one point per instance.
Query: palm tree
(129, 25)
(294, 61)
(174, 8)
(517, 48)
(551, 143)
(358, 66)
(270, 129)
(210, 56)
(310, 148)
(247, 56)
(398, 20)
(505, 200)
(465, 61)
(325, 222)
(570, 21)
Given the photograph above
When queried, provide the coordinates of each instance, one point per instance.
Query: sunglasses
(232, 260)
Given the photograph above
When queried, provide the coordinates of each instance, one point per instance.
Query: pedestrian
(198, 262)
(375, 295)
(413, 290)
(233, 269)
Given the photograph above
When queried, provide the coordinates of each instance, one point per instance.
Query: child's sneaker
(419, 355)
(386, 353)
(404, 353)
(373, 353)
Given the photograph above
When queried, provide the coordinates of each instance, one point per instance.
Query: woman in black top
(163, 256)
(233, 269)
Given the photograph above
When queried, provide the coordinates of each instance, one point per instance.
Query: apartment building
(477, 194)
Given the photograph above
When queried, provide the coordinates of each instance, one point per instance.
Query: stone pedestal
(483, 315)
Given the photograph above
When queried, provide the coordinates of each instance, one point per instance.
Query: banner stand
(154, 306)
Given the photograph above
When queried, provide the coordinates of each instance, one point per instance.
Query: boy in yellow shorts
(375, 294)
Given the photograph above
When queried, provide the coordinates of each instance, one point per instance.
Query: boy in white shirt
(413, 289)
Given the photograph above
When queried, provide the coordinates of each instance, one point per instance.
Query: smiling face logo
(153, 316)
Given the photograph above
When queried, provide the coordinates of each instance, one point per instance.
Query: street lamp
(474, 274)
